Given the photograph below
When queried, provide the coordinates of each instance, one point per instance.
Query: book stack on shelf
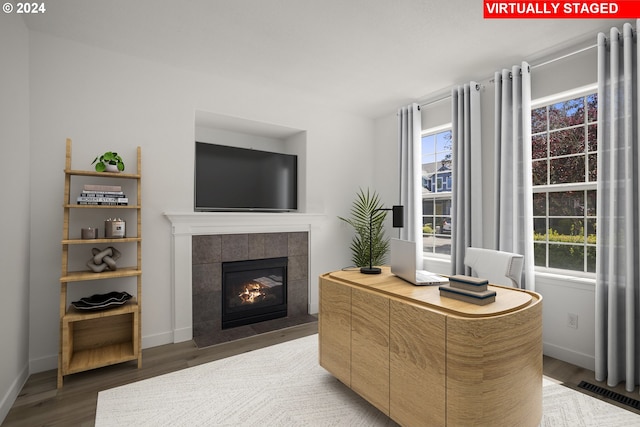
(468, 289)
(106, 195)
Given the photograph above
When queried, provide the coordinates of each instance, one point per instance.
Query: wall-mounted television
(241, 179)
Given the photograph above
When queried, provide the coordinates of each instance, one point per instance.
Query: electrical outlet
(572, 320)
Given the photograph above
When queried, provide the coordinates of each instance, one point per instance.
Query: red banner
(623, 9)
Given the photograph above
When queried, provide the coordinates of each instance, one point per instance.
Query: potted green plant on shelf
(109, 162)
(365, 205)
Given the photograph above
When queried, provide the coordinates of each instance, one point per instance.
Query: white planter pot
(111, 168)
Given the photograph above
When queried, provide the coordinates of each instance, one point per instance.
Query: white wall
(14, 211)
(562, 295)
(104, 100)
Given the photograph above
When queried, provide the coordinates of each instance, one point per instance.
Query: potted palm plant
(109, 162)
(364, 206)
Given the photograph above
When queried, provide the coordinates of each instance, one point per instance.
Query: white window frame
(578, 186)
(437, 194)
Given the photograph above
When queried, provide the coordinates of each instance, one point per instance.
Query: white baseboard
(158, 339)
(42, 364)
(10, 396)
(183, 334)
(586, 361)
(313, 307)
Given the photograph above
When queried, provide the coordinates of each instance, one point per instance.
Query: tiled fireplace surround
(191, 230)
(209, 252)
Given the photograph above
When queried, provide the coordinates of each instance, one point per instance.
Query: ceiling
(365, 56)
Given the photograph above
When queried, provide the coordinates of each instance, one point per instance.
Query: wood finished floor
(41, 404)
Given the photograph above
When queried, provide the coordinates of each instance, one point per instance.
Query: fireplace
(210, 252)
(253, 291)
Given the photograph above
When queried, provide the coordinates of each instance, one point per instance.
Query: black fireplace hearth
(253, 291)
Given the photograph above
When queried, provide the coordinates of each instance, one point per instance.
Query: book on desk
(469, 289)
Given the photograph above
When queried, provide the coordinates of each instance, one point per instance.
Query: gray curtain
(618, 255)
(513, 185)
(466, 207)
(409, 135)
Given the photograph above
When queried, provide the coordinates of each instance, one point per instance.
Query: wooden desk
(429, 361)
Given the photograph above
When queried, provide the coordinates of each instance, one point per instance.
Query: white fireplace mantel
(184, 225)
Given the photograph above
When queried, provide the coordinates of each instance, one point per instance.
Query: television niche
(241, 179)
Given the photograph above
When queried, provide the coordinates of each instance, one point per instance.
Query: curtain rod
(444, 97)
(567, 55)
(559, 58)
(542, 64)
(434, 101)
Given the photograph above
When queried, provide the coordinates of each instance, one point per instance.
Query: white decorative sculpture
(103, 260)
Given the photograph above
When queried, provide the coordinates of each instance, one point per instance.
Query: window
(564, 165)
(436, 190)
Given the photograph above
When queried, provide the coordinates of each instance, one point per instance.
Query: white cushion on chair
(499, 267)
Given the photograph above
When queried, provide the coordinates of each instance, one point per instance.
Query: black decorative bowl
(102, 301)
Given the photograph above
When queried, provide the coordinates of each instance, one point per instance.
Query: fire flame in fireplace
(252, 292)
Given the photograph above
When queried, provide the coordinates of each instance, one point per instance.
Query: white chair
(498, 267)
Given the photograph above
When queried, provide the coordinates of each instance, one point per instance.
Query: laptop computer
(403, 265)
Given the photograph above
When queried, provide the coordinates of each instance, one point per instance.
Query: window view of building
(436, 191)
(564, 164)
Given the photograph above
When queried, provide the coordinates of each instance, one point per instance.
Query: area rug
(283, 385)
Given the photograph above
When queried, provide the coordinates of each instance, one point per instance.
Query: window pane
(428, 144)
(427, 207)
(539, 172)
(591, 231)
(427, 225)
(567, 169)
(539, 120)
(443, 142)
(593, 167)
(427, 218)
(429, 158)
(593, 137)
(591, 259)
(443, 207)
(540, 229)
(428, 243)
(591, 202)
(566, 114)
(592, 104)
(539, 204)
(436, 244)
(540, 254)
(539, 146)
(566, 141)
(570, 257)
(566, 203)
(566, 230)
(441, 222)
